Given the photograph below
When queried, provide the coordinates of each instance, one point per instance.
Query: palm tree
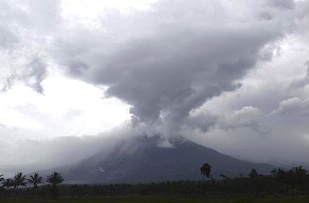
(54, 179)
(19, 180)
(35, 180)
(7, 183)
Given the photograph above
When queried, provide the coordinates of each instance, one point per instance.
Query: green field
(155, 199)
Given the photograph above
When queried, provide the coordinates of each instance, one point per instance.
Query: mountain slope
(141, 160)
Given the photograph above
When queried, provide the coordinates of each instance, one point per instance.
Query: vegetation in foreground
(11, 186)
(280, 186)
(164, 199)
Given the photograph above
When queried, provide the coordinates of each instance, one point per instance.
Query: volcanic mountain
(146, 159)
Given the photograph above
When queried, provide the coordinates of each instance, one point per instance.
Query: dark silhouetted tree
(297, 177)
(7, 183)
(282, 178)
(54, 179)
(35, 179)
(256, 181)
(280, 175)
(205, 170)
(19, 180)
(253, 174)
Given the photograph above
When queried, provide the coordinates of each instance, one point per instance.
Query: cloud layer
(168, 61)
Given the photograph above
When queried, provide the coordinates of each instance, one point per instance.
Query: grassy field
(150, 199)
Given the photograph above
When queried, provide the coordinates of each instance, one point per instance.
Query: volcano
(145, 159)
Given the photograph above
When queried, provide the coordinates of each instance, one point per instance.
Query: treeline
(293, 182)
(17, 186)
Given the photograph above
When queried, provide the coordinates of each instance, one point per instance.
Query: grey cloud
(78, 68)
(21, 19)
(34, 15)
(35, 74)
(32, 154)
(7, 39)
(8, 35)
(247, 117)
(174, 58)
(292, 107)
(302, 82)
(32, 74)
(251, 134)
(281, 103)
(285, 4)
(204, 121)
(24, 29)
(265, 15)
(173, 83)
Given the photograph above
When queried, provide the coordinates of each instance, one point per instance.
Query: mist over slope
(148, 159)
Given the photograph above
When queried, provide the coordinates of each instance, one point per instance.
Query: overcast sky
(77, 75)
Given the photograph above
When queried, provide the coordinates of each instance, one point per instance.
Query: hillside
(140, 159)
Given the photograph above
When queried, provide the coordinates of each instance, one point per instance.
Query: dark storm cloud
(169, 61)
(171, 75)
